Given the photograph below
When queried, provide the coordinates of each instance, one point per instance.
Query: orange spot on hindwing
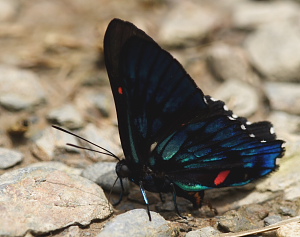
(222, 176)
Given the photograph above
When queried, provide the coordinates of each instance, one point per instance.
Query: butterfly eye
(122, 169)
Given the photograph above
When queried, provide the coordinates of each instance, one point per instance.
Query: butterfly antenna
(107, 152)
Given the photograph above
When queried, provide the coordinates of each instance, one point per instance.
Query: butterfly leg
(175, 203)
(162, 198)
(145, 199)
(121, 194)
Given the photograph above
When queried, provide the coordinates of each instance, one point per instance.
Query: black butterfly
(174, 138)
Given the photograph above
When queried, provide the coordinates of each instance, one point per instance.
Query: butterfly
(174, 138)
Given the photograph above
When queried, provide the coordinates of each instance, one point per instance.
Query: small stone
(285, 122)
(20, 89)
(289, 230)
(51, 142)
(179, 24)
(41, 200)
(104, 174)
(204, 232)
(230, 63)
(282, 64)
(66, 116)
(106, 137)
(232, 221)
(239, 97)
(136, 223)
(270, 220)
(252, 14)
(286, 211)
(8, 9)
(9, 158)
(90, 101)
(254, 212)
(284, 96)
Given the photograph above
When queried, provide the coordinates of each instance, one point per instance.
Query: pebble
(179, 24)
(67, 116)
(289, 230)
(41, 200)
(284, 122)
(9, 158)
(106, 137)
(239, 97)
(286, 211)
(52, 142)
(98, 100)
(232, 221)
(104, 174)
(136, 223)
(204, 232)
(284, 96)
(283, 63)
(230, 63)
(252, 14)
(20, 89)
(270, 220)
(8, 9)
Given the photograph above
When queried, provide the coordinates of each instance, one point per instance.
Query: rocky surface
(52, 71)
(40, 200)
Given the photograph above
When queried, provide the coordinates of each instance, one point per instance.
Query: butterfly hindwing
(218, 150)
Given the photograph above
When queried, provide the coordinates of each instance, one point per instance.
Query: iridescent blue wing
(153, 93)
(217, 149)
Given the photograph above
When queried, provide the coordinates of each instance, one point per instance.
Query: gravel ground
(52, 71)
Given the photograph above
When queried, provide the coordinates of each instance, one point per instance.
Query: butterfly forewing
(153, 93)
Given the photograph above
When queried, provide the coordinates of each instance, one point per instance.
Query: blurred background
(52, 70)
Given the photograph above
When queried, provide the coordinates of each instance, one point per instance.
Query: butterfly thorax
(152, 181)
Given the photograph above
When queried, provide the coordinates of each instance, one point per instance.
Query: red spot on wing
(222, 176)
(120, 90)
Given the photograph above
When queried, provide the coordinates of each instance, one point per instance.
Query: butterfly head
(122, 169)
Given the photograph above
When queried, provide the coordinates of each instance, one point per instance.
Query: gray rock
(282, 64)
(89, 100)
(286, 211)
(20, 89)
(204, 232)
(284, 122)
(284, 96)
(289, 230)
(232, 221)
(252, 14)
(52, 142)
(270, 220)
(9, 158)
(41, 200)
(67, 116)
(239, 97)
(58, 166)
(230, 63)
(106, 137)
(104, 174)
(8, 9)
(136, 223)
(188, 21)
